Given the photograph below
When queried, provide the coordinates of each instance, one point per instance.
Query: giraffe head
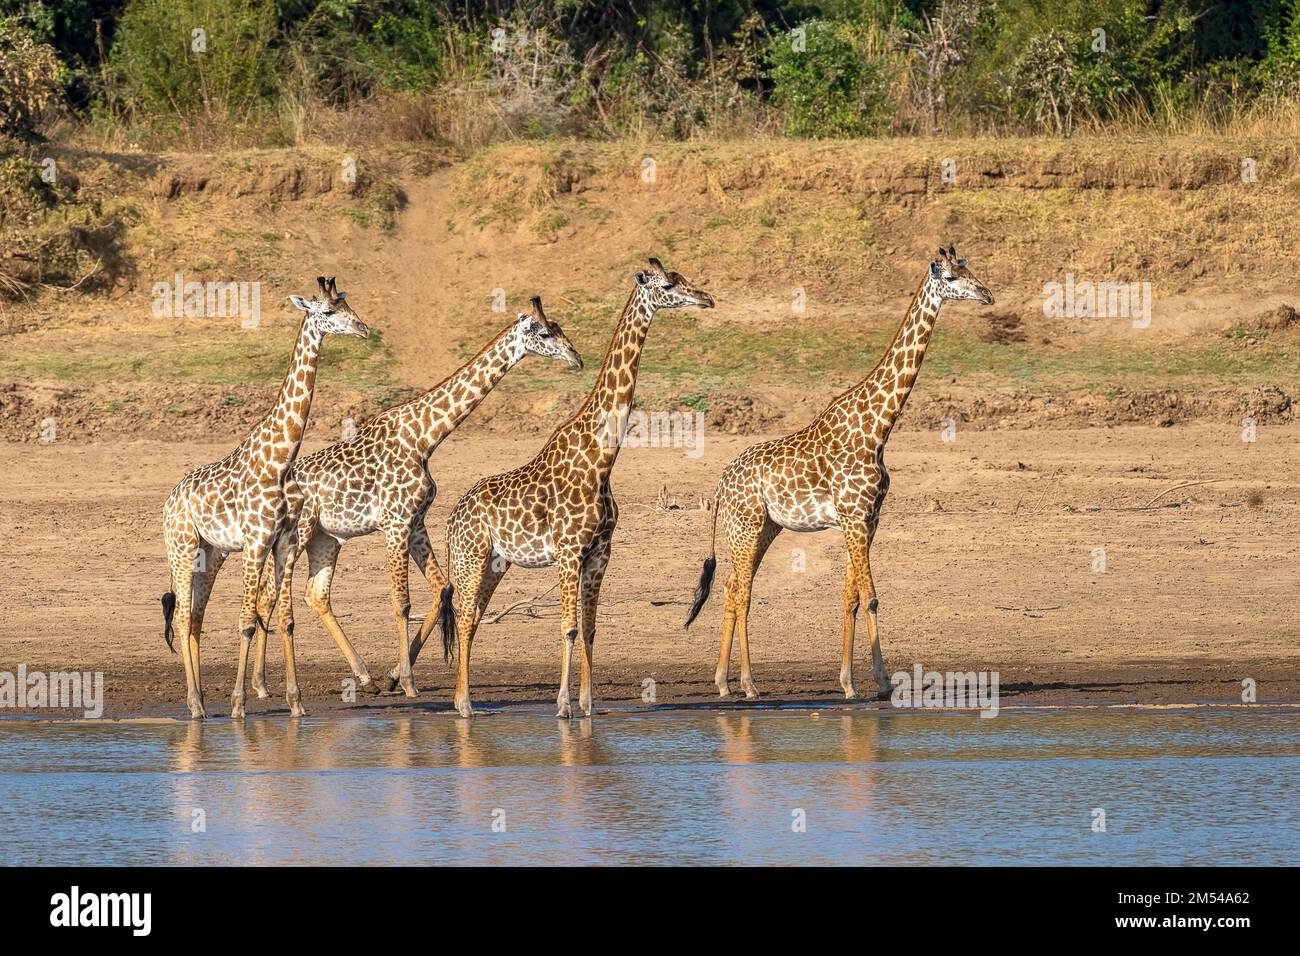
(329, 312)
(669, 290)
(954, 281)
(538, 335)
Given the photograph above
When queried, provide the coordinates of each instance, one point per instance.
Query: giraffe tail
(447, 618)
(710, 565)
(169, 609)
(702, 589)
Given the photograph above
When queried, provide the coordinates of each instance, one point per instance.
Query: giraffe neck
(896, 372)
(279, 436)
(604, 415)
(438, 411)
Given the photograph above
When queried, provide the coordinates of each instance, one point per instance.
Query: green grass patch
(686, 361)
(201, 356)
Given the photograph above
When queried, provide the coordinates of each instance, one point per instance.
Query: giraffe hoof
(565, 712)
(884, 693)
(464, 709)
(751, 692)
(724, 692)
(262, 692)
(370, 687)
(850, 693)
(296, 710)
(410, 691)
(237, 712)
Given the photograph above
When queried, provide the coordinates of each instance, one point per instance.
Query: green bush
(676, 68)
(1050, 65)
(189, 58)
(352, 50)
(31, 78)
(825, 85)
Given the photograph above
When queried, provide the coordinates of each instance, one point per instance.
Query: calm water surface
(1194, 786)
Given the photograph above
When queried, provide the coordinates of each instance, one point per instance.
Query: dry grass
(838, 216)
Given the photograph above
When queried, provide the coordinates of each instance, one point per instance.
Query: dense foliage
(470, 68)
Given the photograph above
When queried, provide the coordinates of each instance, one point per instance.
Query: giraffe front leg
(593, 575)
(266, 601)
(398, 541)
(850, 622)
(570, 581)
(286, 551)
(255, 554)
(859, 548)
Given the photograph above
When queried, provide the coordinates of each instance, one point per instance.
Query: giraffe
(558, 508)
(378, 480)
(830, 474)
(239, 504)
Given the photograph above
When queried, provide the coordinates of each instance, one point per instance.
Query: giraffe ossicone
(830, 474)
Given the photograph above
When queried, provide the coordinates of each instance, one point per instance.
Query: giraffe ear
(300, 302)
(934, 268)
(952, 251)
(642, 279)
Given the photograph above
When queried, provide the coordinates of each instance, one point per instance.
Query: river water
(1193, 786)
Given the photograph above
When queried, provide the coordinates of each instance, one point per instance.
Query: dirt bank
(811, 250)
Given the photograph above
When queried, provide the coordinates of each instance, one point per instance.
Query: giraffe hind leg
(743, 519)
(473, 590)
(322, 556)
(745, 572)
(186, 550)
(720, 676)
